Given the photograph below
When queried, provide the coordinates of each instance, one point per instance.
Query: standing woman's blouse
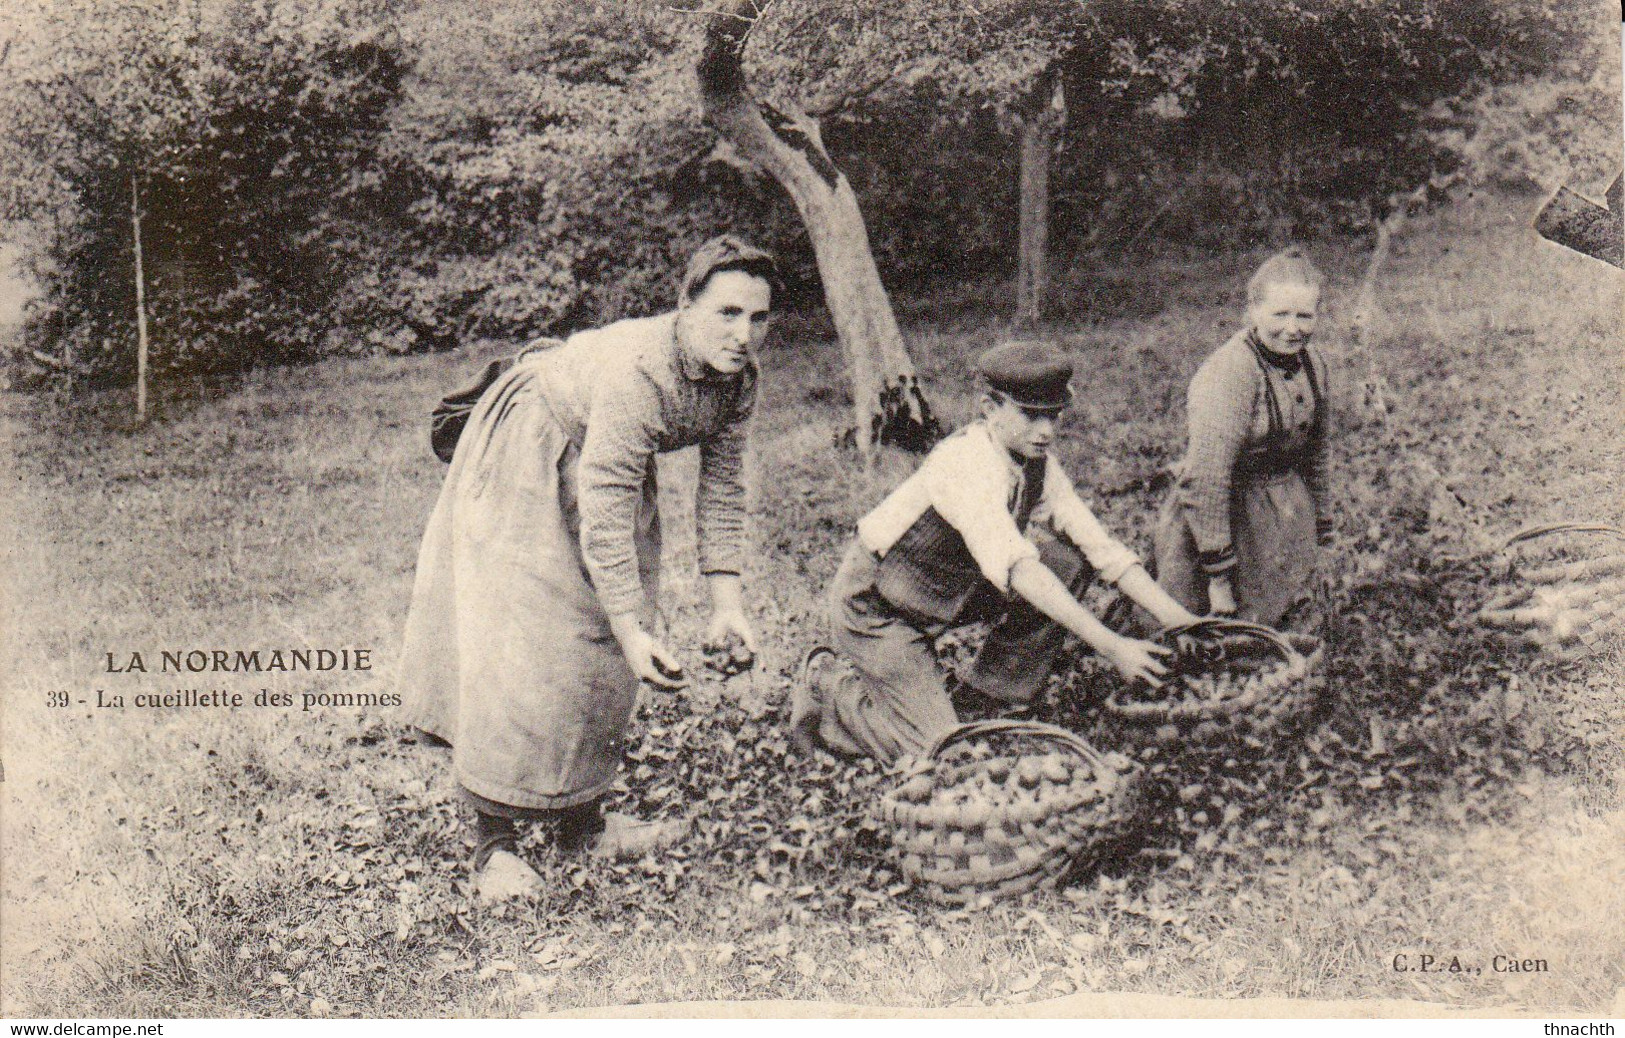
(626, 392)
(1250, 411)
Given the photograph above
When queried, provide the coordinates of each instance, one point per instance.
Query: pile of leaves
(1425, 726)
(1422, 714)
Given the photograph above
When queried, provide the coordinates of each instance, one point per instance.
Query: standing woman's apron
(508, 654)
(1272, 521)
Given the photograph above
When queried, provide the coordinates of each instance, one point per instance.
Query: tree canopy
(323, 176)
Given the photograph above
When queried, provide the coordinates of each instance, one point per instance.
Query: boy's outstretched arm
(1137, 584)
(1134, 659)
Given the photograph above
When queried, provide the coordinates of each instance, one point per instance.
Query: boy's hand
(1138, 661)
(651, 661)
(1221, 596)
(1183, 618)
(1146, 593)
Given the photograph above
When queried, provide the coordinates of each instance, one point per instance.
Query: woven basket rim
(1049, 851)
(1164, 711)
(1064, 737)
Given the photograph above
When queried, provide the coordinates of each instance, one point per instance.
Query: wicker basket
(1000, 807)
(1570, 607)
(1232, 684)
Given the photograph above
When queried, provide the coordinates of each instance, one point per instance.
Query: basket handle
(1209, 626)
(1533, 532)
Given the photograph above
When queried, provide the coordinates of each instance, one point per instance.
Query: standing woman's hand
(1138, 660)
(1221, 596)
(730, 644)
(650, 660)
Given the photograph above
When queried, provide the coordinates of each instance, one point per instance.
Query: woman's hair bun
(1289, 266)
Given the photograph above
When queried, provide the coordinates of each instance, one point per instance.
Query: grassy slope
(252, 862)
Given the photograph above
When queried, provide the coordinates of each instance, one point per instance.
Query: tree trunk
(1374, 403)
(1038, 129)
(140, 304)
(891, 407)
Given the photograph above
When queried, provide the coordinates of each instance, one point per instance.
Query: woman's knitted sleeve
(719, 507)
(1219, 412)
(616, 456)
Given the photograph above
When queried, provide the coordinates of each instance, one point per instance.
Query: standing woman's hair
(726, 252)
(1290, 266)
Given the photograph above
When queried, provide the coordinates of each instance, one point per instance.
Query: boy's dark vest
(930, 573)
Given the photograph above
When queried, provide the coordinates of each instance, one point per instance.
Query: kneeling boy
(989, 525)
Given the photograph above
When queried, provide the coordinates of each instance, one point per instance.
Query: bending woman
(1239, 533)
(532, 613)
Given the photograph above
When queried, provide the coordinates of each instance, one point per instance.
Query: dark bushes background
(250, 132)
(344, 176)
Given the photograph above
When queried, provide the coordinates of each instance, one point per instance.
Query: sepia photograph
(797, 508)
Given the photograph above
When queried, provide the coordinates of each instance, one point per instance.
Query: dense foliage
(1249, 122)
(244, 136)
(325, 176)
(540, 146)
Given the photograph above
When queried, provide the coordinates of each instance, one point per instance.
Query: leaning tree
(891, 406)
(850, 55)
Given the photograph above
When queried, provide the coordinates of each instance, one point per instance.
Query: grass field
(282, 861)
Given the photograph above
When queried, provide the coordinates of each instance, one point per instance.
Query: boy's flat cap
(1035, 375)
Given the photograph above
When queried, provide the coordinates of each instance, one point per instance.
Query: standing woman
(531, 623)
(1239, 533)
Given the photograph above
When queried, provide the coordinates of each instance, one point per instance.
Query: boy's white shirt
(970, 480)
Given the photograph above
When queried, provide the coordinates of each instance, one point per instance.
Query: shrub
(246, 132)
